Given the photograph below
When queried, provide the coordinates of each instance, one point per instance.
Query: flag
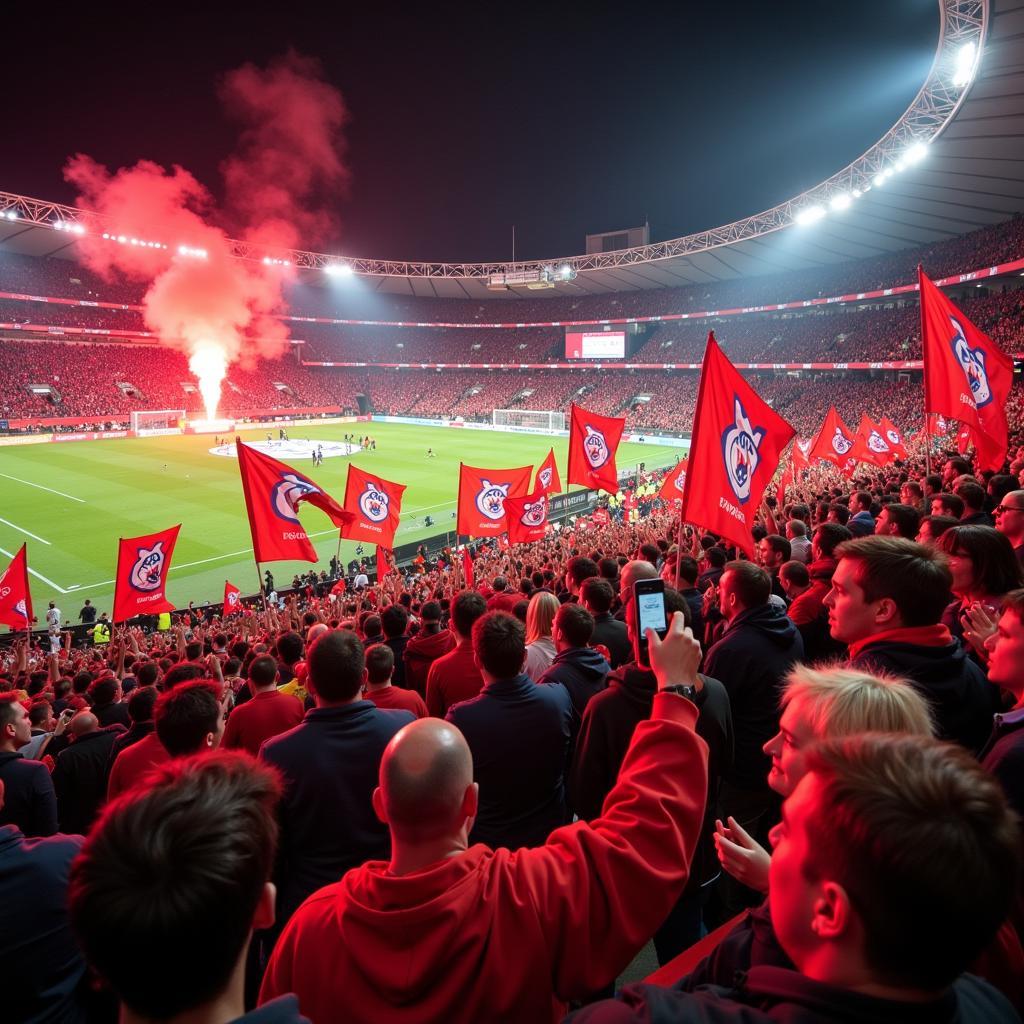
(734, 450)
(467, 569)
(15, 598)
(383, 563)
(672, 485)
(527, 517)
(835, 442)
(141, 578)
(272, 494)
(375, 505)
(871, 446)
(232, 599)
(482, 494)
(548, 479)
(967, 376)
(592, 443)
(895, 438)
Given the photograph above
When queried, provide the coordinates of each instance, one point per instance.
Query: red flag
(232, 599)
(548, 479)
(592, 443)
(799, 452)
(673, 484)
(467, 569)
(383, 563)
(871, 445)
(15, 598)
(141, 579)
(482, 494)
(375, 505)
(835, 441)
(527, 517)
(967, 376)
(735, 448)
(272, 494)
(895, 438)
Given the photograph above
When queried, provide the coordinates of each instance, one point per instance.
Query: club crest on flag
(286, 494)
(680, 481)
(147, 572)
(233, 598)
(596, 447)
(534, 513)
(973, 362)
(877, 443)
(892, 436)
(374, 504)
(19, 607)
(841, 444)
(490, 500)
(739, 450)
(545, 476)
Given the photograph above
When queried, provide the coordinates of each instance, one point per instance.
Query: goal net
(533, 419)
(149, 422)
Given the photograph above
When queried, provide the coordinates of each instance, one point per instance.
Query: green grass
(125, 490)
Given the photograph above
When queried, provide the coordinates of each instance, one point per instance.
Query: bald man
(453, 932)
(80, 774)
(631, 572)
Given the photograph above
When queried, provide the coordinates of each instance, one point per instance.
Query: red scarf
(923, 636)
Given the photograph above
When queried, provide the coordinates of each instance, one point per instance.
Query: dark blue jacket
(584, 673)
(519, 735)
(330, 764)
(40, 958)
(80, 779)
(29, 799)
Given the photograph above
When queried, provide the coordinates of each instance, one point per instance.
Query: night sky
(464, 121)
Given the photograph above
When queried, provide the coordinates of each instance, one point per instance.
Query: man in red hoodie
(423, 649)
(455, 677)
(457, 933)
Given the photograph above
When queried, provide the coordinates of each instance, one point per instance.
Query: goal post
(528, 419)
(151, 422)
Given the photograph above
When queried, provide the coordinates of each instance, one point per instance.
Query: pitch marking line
(38, 575)
(29, 483)
(27, 533)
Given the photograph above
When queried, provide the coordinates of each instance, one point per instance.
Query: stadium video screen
(595, 345)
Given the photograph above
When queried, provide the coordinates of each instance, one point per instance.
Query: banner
(375, 505)
(273, 492)
(141, 578)
(834, 443)
(967, 376)
(527, 518)
(871, 444)
(482, 494)
(232, 599)
(895, 438)
(737, 441)
(15, 597)
(467, 569)
(384, 565)
(593, 440)
(548, 479)
(673, 484)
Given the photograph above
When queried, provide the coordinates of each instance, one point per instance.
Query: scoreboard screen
(595, 345)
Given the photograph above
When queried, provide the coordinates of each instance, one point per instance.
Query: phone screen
(651, 612)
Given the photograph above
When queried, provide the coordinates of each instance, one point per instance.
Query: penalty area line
(29, 483)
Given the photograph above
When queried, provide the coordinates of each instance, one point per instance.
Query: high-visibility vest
(101, 633)
(163, 622)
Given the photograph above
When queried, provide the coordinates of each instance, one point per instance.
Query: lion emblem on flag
(147, 572)
(841, 444)
(288, 492)
(972, 362)
(534, 513)
(490, 501)
(374, 504)
(595, 447)
(740, 444)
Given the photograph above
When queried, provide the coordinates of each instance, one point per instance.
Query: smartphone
(649, 609)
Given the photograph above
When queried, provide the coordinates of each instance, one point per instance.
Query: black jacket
(398, 645)
(612, 632)
(583, 672)
(961, 698)
(757, 650)
(29, 799)
(80, 779)
(115, 713)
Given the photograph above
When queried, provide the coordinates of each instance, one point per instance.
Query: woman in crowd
(540, 648)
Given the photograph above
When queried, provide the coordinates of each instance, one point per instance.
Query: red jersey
(267, 714)
(399, 699)
(133, 762)
(453, 678)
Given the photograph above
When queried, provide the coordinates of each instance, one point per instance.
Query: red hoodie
(492, 935)
(421, 652)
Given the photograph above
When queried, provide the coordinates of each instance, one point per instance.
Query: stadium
(226, 440)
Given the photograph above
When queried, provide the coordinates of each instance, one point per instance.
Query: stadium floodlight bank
(530, 419)
(153, 422)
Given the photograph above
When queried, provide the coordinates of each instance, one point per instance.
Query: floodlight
(916, 153)
(965, 62)
(810, 214)
(841, 201)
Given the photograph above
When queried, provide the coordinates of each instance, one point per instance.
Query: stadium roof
(969, 175)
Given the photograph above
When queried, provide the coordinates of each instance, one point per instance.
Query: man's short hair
(780, 546)
(103, 691)
(575, 623)
(263, 670)
(840, 511)
(8, 709)
(862, 498)
(688, 571)
(906, 519)
(38, 712)
(335, 665)
(608, 569)
(184, 672)
(580, 568)
(971, 494)
(467, 607)
(430, 612)
(147, 673)
(186, 715)
(380, 663)
(499, 583)
(797, 527)
(289, 647)
(372, 626)
(914, 576)
(499, 643)
(751, 584)
(185, 858)
(599, 594)
(950, 504)
(394, 620)
(901, 821)
(142, 703)
(796, 572)
(829, 536)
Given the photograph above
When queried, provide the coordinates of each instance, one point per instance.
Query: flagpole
(337, 554)
(259, 577)
(679, 546)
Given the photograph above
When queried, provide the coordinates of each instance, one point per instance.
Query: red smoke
(221, 310)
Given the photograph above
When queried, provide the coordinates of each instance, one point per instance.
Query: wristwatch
(683, 689)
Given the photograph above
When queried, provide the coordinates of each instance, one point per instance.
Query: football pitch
(71, 502)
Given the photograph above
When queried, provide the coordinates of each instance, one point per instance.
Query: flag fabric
(548, 479)
(593, 440)
(871, 445)
(15, 597)
(273, 492)
(734, 451)
(232, 599)
(673, 484)
(895, 438)
(967, 376)
(527, 517)
(835, 441)
(141, 578)
(467, 569)
(375, 505)
(482, 494)
(384, 566)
